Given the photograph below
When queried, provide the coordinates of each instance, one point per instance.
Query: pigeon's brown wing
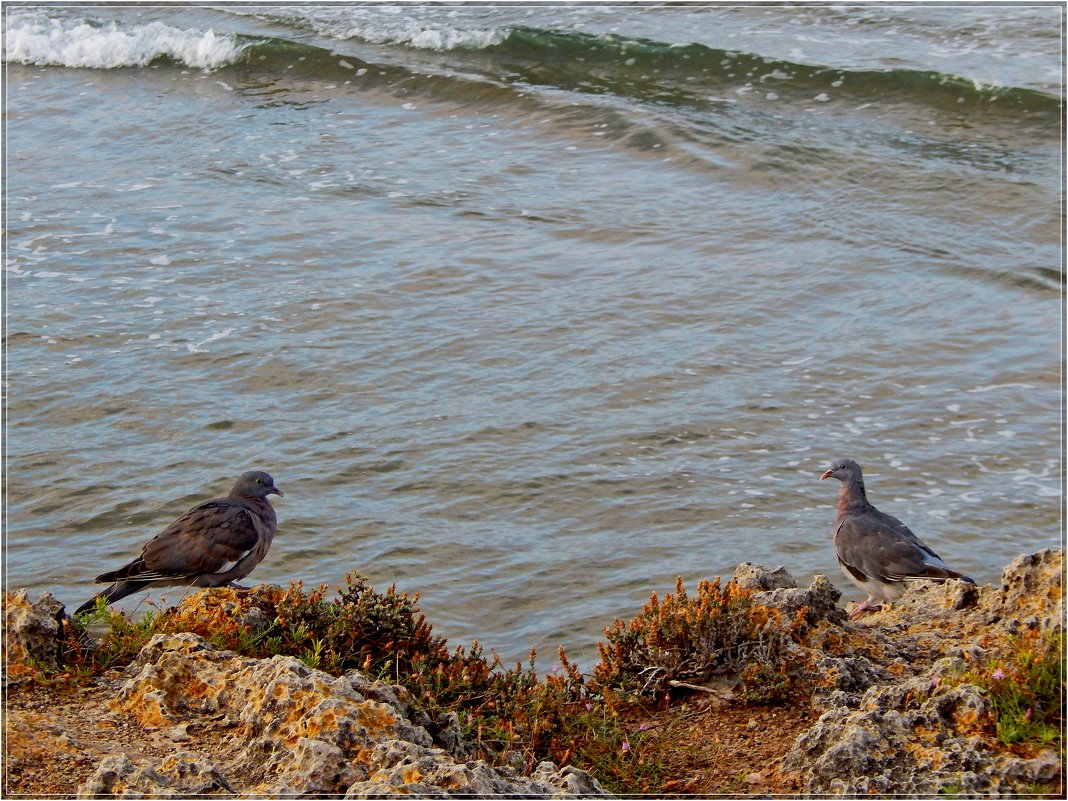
(205, 539)
(882, 547)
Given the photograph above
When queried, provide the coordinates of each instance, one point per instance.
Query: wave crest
(439, 39)
(45, 41)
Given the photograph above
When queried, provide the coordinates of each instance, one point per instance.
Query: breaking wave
(48, 41)
(569, 60)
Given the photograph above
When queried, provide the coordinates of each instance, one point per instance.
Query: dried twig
(726, 696)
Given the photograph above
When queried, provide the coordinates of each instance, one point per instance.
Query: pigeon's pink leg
(864, 607)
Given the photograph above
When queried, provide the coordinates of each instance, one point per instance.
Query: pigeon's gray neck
(260, 505)
(851, 496)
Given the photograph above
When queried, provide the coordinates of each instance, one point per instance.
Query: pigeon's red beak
(828, 474)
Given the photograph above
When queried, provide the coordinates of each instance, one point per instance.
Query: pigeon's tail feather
(120, 575)
(118, 590)
(940, 572)
(943, 572)
(88, 606)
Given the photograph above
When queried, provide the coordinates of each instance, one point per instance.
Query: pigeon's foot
(238, 586)
(869, 605)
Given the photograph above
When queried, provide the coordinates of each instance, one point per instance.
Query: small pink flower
(644, 727)
(626, 747)
(589, 706)
(998, 674)
(1027, 715)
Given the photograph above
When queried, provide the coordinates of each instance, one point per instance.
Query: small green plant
(951, 789)
(1027, 688)
(124, 640)
(313, 655)
(1025, 685)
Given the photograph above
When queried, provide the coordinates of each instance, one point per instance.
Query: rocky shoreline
(899, 706)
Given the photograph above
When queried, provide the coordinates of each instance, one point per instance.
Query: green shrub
(689, 640)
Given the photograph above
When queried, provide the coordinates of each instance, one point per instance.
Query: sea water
(530, 309)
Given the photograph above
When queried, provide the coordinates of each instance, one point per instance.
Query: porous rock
(448, 735)
(568, 781)
(750, 576)
(917, 738)
(291, 721)
(237, 608)
(1031, 594)
(409, 769)
(295, 731)
(819, 600)
(901, 719)
(844, 679)
(31, 630)
(179, 775)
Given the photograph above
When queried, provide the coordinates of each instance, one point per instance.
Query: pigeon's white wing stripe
(155, 575)
(226, 568)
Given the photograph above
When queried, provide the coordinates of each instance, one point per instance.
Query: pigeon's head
(844, 470)
(256, 484)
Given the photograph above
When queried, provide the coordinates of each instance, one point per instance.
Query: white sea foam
(440, 39)
(37, 39)
(198, 347)
(430, 38)
(347, 22)
(992, 387)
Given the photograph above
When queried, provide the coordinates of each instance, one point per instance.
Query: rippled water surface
(531, 310)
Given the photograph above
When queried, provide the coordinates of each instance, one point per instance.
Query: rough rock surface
(31, 631)
(820, 599)
(293, 731)
(178, 775)
(898, 722)
(759, 578)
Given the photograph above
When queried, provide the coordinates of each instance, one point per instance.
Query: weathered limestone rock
(448, 735)
(410, 769)
(430, 773)
(31, 631)
(230, 607)
(751, 576)
(911, 739)
(180, 775)
(1031, 593)
(820, 600)
(294, 731)
(289, 720)
(899, 721)
(569, 781)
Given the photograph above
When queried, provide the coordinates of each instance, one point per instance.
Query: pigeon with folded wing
(876, 551)
(215, 543)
